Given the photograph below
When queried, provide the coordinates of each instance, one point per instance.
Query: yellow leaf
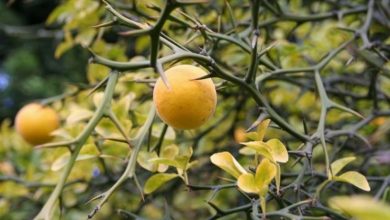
(143, 160)
(165, 161)
(278, 150)
(360, 207)
(246, 182)
(77, 113)
(339, 164)
(228, 163)
(97, 98)
(63, 160)
(252, 136)
(261, 148)
(247, 151)
(262, 128)
(355, 179)
(168, 152)
(265, 173)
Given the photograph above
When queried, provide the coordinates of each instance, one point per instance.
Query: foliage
(28, 70)
(308, 81)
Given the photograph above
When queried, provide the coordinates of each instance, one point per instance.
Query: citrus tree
(202, 109)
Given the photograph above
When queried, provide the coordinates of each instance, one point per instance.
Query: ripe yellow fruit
(240, 135)
(187, 103)
(35, 122)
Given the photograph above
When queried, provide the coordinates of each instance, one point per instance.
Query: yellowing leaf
(355, 179)
(165, 161)
(183, 161)
(339, 164)
(252, 136)
(77, 114)
(97, 98)
(143, 160)
(360, 207)
(246, 182)
(259, 182)
(278, 150)
(62, 48)
(63, 160)
(12, 190)
(262, 128)
(265, 172)
(168, 152)
(156, 181)
(261, 148)
(228, 163)
(247, 151)
(85, 37)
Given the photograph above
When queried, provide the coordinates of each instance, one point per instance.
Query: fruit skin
(187, 103)
(240, 135)
(34, 122)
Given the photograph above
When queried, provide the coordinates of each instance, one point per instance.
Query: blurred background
(28, 69)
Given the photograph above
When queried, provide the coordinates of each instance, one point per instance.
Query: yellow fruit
(35, 122)
(187, 103)
(240, 135)
(379, 121)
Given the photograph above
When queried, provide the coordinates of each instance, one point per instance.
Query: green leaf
(228, 163)
(165, 161)
(157, 180)
(355, 179)
(246, 182)
(261, 148)
(63, 160)
(339, 164)
(85, 37)
(360, 207)
(278, 150)
(182, 161)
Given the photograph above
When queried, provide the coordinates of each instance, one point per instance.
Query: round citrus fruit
(187, 102)
(35, 122)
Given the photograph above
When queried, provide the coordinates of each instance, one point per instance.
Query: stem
(130, 168)
(47, 211)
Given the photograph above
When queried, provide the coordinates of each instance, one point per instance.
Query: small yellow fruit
(240, 135)
(35, 122)
(187, 103)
